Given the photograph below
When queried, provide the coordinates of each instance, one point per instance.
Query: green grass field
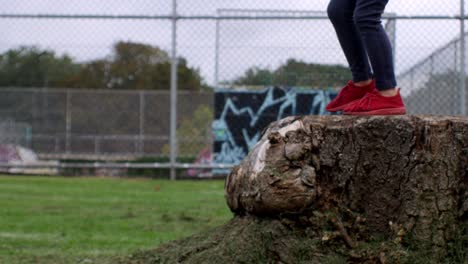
(92, 220)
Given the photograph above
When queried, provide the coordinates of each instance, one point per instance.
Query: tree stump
(342, 189)
(404, 174)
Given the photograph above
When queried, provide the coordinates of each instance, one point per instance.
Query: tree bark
(402, 176)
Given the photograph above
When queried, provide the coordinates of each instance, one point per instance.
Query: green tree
(296, 73)
(194, 132)
(136, 66)
(32, 67)
(256, 76)
(130, 66)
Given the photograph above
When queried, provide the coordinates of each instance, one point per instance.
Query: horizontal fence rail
(213, 17)
(105, 165)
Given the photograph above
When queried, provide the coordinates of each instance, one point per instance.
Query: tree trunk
(340, 189)
(401, 174)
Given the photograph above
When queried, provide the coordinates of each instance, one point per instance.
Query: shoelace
(366, 101)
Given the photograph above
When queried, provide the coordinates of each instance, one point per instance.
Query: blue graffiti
(241, 116)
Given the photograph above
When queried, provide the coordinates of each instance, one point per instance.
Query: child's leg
(367, 17)
(341, 14)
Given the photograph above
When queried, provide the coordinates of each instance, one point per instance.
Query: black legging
(362, 37)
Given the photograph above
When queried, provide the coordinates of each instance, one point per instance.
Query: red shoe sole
(388, 111)
(342, 107)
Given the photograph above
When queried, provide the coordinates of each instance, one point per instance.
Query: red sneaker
(376, 104)
(349, 94)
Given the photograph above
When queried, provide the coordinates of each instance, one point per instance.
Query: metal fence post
(29, 137)
(67, 122)
(97, 145)
(141, 139)
(462, 60)
(216, 80)
(173, 117)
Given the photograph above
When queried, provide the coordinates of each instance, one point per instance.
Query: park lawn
(92, 220)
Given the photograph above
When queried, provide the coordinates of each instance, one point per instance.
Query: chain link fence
(14, 133)
(100, 124)
(92, 79)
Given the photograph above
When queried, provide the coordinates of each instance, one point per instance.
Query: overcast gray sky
(243, 43)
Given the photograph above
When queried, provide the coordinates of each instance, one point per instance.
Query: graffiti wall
(241, 116)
